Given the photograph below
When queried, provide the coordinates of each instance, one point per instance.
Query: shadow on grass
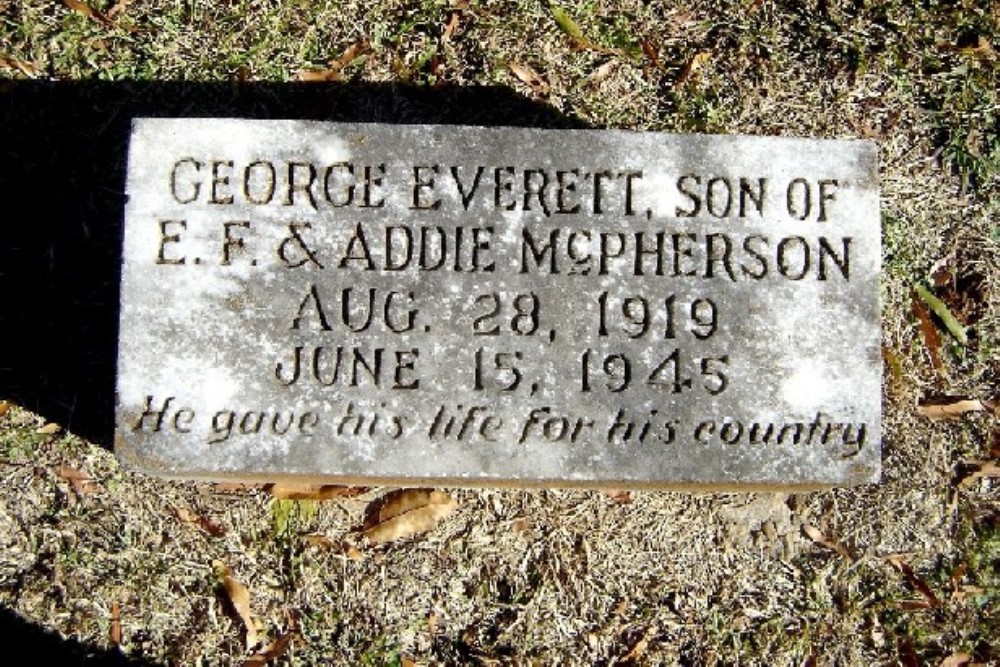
(62, 175)
(34, 643)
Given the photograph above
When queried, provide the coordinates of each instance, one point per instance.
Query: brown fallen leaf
(529, 77)
(691, 67)
(407, 661)
(118, 8)
(316, 75)
(4, 407)
(602, 72)
(239, 597)
(80, 481)
(957, 660)
(975, 45)
(950, 407)
(333, 72)
(618, 496)
(522, 525)
(200, 521)
(817, 536)
(929, 333)
(274, 650)
(454, 17)
(84, 9)
(291, 491)
(640, 646)
(930, 599)
(342, 547)
(115, 629)
(405, 513)
(27, 69)
(350, 54)
(48, 429)
(234, 487)
(985, 469)
(907, 655)
(913, 605)
(994, 448)
(956, 576)
(652, 52)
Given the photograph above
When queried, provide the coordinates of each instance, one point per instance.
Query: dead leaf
(292, 491)
(454, 16)
(350, 54)
(436, 65)
(652, 52)
(335, 66)
(4, 407)
(274, 650)
(913, 605)
(405, 513)
(234, 487)
(618, 496)
(974, 45)
(27, 69)
(907, 656)
(929, 333)
(900, 564)
(84, 9)
(315, 75)
(603, 72)
(957, 660)
(994, 450)
(639, 647)
(407, 661)
(200, 521)
(115, 629)
(342, 547)
(49, 429)
(817, 536)
(986, 469)
(949, 407)
(239, 597)
(694, 63)
(118, 8)
(80, 481)
(521, 525)
(528, 76)
(956, 578)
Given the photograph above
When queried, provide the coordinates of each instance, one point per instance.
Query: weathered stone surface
(459, 305)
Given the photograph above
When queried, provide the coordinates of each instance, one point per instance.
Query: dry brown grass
(560, 577)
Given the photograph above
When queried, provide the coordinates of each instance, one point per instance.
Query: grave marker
(498, 306)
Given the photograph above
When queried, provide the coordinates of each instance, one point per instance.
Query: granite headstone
(498, 306)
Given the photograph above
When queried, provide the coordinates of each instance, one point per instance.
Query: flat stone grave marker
(498, 306)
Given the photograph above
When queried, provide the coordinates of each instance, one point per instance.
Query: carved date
(672, 373)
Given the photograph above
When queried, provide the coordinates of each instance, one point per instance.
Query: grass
(589, 578)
